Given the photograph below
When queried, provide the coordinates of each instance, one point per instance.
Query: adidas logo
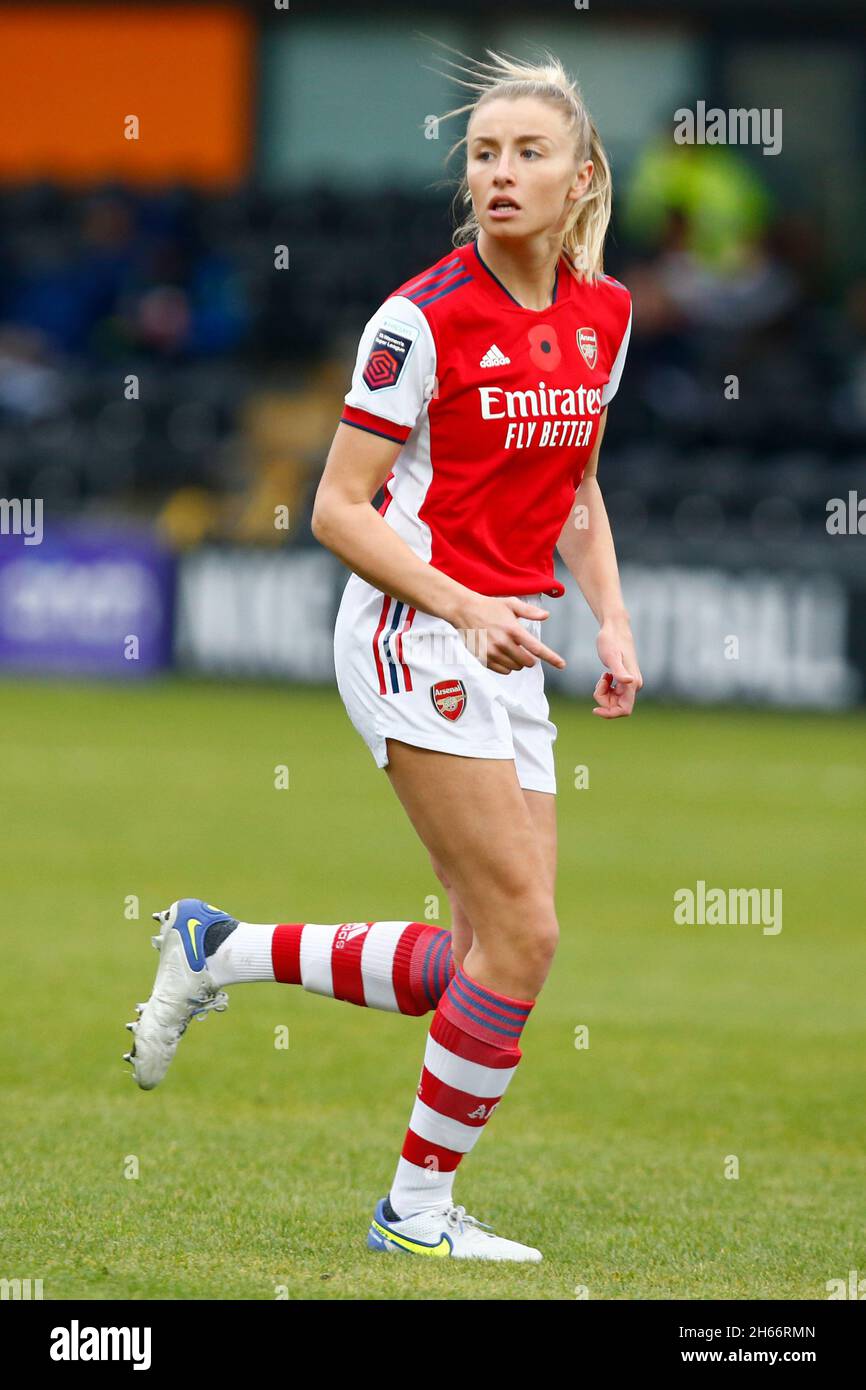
(494, 358)
(348, 931)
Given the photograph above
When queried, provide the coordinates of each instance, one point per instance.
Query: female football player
(478, 400)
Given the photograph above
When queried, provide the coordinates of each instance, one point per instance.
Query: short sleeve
(395, 371)
(611, 387)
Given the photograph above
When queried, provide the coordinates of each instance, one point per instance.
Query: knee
(520, 960)
(533, 910)
(542, 941)
(532, 935)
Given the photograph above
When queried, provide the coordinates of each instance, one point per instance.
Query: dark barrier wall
(769, 636)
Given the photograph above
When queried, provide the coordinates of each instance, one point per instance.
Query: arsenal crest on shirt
(588, 344)
(449, 697)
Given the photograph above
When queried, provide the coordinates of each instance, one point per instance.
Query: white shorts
(405, 674)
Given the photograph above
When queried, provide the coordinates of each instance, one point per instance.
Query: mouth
(502, 206)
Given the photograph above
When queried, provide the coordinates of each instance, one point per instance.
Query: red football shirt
(496, 408)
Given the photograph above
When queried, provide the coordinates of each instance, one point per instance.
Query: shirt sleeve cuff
(375, 424)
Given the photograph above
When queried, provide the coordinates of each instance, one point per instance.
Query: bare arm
(346, 523)
(586, 543)
(586, 546)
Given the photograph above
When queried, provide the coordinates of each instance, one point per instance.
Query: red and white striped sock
(471, 1055)
(402, 967)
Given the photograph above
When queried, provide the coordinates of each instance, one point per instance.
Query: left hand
(617, 688)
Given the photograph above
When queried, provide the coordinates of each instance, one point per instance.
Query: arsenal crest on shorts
(449, 697)
(588, 344)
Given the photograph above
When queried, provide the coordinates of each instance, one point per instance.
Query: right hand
(496, 634)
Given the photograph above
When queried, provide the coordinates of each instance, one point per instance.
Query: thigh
(477, 824)
(542, 809)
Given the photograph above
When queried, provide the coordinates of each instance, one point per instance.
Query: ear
(583, 179)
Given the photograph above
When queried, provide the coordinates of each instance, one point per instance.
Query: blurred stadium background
(179, 314)
(169, 390)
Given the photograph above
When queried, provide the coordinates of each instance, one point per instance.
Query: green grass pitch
(258, 1167)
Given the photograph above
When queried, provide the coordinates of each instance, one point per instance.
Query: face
(521, 151)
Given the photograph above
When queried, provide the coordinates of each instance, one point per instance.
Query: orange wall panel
(70, 77)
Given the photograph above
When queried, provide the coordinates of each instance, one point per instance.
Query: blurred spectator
(31, 388)
(717, 200)
(242, 368)
(750, 291)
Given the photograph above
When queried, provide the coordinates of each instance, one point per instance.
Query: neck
(527, 269)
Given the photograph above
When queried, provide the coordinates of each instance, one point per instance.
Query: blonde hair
(510, 77)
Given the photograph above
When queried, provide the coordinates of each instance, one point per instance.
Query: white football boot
(444, 1231)
(183, 989)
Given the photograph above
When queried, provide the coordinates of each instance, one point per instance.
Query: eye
(482, 155)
